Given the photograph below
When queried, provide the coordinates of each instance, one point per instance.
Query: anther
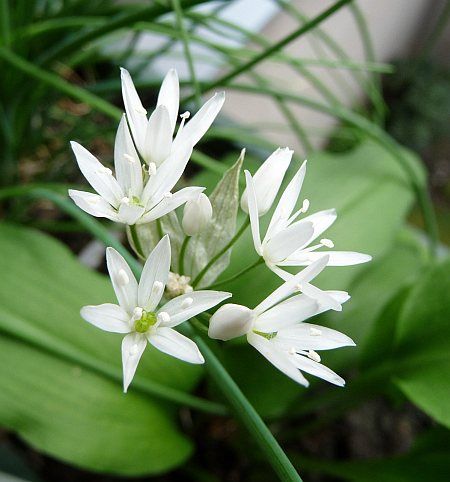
(137, 312)
(167, 195)
(186, 303)
(125, 200)
(164, 316)
(123, 277)
(327, 243)
(315, 332)
(129, 158)
(157, 287)
(152, 168)
(305, 205)
(314, 356)
(185, 115)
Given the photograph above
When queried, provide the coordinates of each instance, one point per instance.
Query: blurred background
(359, 88)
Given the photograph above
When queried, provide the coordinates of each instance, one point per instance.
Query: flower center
(147, 320)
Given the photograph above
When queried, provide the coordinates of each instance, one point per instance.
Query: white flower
(267, 180)
(153, 136)
(287, 239)
(276, 328)
(197, 214)
(137, 315)
(125, 198)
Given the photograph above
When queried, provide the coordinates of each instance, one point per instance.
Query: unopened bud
(197, 214)
(230, 321)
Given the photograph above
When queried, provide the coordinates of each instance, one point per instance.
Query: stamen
(185, 115)
(314, 356)
(152, 168)
(167, 195)
(157, 287)
(327, 243)
(315, 332)
(129, 158)
(123, 277)
(125, 200)
(137, 312)
(140, 110)
(164, 316)
(186, 303)
(305, 205)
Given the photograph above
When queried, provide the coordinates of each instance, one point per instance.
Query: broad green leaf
(429, 460)
(423, 344)
(62, 407)
(225, 201)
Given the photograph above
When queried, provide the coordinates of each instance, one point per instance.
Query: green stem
(159, 228)
(236, 275)
(5, 27)
(246, 414)
(221, 252)
(60, 84)
(136, 241)
(187, 51)
(182, 254)
(224, 80)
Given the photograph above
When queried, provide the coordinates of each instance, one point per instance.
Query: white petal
(156, 270)
(287, 242)
(317, 369)
(267, 180)
(107, 317)
(337, 258)
(99, 177)
(253, 213)
(136, 114)
(291, 285)
(306, 336)
(133, 346)
(166, 176)
(171, 203)
(326, 301)
(123, 280)
(201, 301)
(287, 203)
(321, 220)
(158, 137)
(177, 345)
(277, 357)
(93, 204)
(130, 213)
(169, 96)
(194, 130)
(126, 162)
(230, 321)
(289, 312)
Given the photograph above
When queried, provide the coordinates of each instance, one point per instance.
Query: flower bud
(197, 214)
(230, 321)
(267, 180)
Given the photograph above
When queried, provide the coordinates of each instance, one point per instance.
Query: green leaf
(72, 410)
(423, 344)
(203, 247)
(429, 459)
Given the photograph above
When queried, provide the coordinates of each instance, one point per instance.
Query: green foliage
(422, 344)
(54, 390)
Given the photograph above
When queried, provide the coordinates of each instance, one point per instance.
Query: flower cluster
(149, 160)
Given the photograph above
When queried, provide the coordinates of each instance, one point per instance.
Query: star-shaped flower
(153, 136)
(276, 327)
(137, 315)
(287, 239)
(130, 197)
